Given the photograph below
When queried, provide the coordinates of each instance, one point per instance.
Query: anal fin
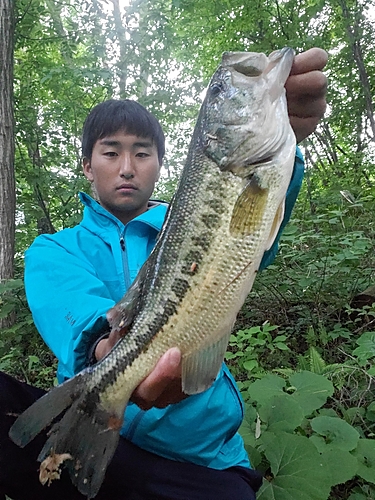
(200, 369)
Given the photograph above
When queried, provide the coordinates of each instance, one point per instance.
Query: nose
(126, 167)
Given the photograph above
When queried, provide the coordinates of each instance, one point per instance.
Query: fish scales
(226, 213)
(179, 268)
(214, 271)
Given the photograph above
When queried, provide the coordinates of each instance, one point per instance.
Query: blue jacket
(74, 276)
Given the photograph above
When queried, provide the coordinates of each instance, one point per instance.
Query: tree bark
(7, 182)
(121, 36)
(354, 36)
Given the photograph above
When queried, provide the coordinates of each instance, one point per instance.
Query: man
(189, 450)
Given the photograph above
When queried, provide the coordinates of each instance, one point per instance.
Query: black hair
(111, 116)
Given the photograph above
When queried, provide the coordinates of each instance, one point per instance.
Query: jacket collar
(95, 215)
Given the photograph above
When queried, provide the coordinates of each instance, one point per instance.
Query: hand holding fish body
(226, 213)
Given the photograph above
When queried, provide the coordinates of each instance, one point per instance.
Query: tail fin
(41, 414)
(85, 438)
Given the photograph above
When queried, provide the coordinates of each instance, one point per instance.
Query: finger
(167, 370)
(114, 337)
(171, 395)
(303, 127)
(314, 108)
(312, 59)
(107, 344)
(103, 348)
(313, 83)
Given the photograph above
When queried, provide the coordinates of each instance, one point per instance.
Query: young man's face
(124, 169)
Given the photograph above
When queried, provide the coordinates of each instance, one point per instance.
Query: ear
(86, 166)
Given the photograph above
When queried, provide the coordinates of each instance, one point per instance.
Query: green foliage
(308, 382)
(316, 392)
(250, 346)
(303, 449)
(22, 352)
(290, 458)
(366, 350)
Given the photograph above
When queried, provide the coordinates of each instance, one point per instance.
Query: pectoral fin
(200, 369)
(249, 209)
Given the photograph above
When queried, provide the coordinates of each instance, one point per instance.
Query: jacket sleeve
(67, 300)
(291, 197)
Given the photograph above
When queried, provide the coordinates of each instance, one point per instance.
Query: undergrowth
(303, 352)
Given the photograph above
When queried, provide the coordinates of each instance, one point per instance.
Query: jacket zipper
(125, 262)
(122, 243)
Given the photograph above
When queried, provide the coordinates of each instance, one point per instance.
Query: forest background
(304, 344)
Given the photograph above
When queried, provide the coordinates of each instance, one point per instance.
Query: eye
(216, 88)
(110, 153)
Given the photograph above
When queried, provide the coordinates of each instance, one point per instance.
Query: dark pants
(133, 474)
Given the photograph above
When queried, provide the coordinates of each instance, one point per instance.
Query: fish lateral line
(237, 277)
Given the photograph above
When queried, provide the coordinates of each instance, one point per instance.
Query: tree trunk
(354, 36)
(121, 36)
(7, 182)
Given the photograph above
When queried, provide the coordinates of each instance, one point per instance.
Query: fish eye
(216, 88)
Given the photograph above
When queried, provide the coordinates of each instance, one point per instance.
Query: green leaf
(247, 434)
(311, 390)
(298, 470)
(33, 360)
(254, 456)
(370, 412)
(281, 346)
(6, 309)
(247, 427)
(11, 285)
(319, 442)
(365, 454)
(338, 434)
(281, 413)
(358, 496)
(342, 465)
(250, 364)
(366, 349)
(269, 328)
(264, 389)
(317, 363)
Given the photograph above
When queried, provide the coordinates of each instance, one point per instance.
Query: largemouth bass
(225, 214)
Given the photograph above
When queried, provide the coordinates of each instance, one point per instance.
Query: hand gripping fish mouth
(226, 213)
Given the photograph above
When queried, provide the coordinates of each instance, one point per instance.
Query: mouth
(126, 187)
